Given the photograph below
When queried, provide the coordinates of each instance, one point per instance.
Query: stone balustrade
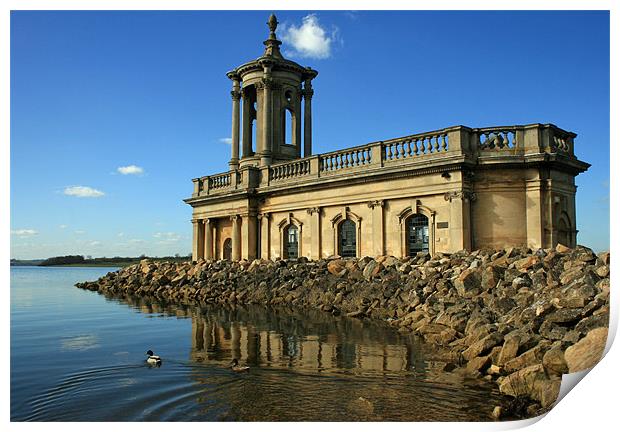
(496, 138)
(288, 170)
(415, 145)
(344, 159)
(429, 147)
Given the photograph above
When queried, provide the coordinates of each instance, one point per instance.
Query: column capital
(234, 218)
(236, 95)
(313, 210)
(265, 216)
(376, 203)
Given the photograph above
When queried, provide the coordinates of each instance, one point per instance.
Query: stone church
(439, 191)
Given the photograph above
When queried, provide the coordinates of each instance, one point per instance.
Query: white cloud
(130, 170)
(94, 243)
(309, 39)
(79, 232)
(63, 226)
(83, 192)
(167, 237)
(24, 232)
(121, 234)
(227, 141)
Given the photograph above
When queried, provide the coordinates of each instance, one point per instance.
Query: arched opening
(291, 242)
(227, 249)
(417, 234)
(564, 231)
(347, 239)
(287, 126)
(249, 103)
(253, 139)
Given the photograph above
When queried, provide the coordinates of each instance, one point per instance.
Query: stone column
(378, 240)
(236, 240)
(247, 125)
(265, 151)
(248, 237)
(236, 96)
(198, 240)
(307, 93)
(315, 232)
(296, 131)
(208, 239)
(265, 239)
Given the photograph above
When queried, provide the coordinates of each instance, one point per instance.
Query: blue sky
(113, 113)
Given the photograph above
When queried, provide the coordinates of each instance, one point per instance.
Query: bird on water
(234, 365)
(152, 358)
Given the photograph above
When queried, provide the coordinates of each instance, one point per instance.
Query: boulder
(372, 269)
(483, 345)
(554, 361)
(336, 266)
(468, 283)
(509, 350)
(587, 352)
(528, 358)
(491, 276)
(523, 265)
(524, 382)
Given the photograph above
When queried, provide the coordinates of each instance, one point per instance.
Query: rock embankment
(518, 317)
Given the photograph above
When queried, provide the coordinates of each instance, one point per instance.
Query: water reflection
(283, 338)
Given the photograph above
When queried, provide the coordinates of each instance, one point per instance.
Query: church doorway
(227, 249)
(417, 234)
(347, 241)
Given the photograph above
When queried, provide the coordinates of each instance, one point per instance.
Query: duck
(234, 365)
(152, 358)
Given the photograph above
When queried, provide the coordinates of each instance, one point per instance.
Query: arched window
(287, 126)
(291, 242)
(227, 249)
(417, 234)
(347, 241)
(564, 231)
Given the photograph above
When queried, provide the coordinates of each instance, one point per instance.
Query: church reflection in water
(314, 341)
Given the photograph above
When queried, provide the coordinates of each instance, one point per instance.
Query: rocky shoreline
(518, 317)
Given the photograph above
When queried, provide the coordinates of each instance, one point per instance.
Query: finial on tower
(272, 45)
(273, 24)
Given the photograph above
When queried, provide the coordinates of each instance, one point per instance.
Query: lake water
(78, 356)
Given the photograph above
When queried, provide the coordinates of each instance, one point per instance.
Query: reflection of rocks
(499, 312)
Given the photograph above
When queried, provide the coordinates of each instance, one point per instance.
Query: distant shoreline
(96, 262)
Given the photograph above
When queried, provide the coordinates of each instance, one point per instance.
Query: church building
(439, 191)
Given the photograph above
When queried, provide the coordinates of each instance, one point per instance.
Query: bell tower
(267, 96)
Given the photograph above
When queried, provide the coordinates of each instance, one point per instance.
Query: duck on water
(234, 365)
(153, 359)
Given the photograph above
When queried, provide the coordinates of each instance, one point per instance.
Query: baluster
(388, 151)
(444, 139)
